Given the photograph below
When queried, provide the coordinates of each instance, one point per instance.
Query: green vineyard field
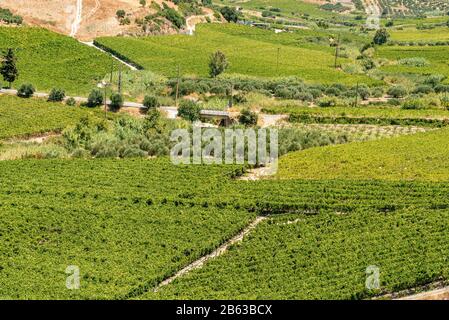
(25, 117)
(48, 60)
(250, 51)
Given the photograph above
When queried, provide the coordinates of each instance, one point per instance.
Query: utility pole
(231, 97)
(112, 68)
(104, 85)
(120, 79)
(356, 102)
(177, 88)
(337, 48)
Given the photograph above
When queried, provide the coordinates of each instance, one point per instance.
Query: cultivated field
(48, 60)
(250, 52)
(361, 184)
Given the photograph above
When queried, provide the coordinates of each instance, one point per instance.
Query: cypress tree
(9, 69)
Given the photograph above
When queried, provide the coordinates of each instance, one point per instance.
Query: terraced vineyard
(52, 218)
(49, 60)
(371, 115)
(239, 43)
(436, 56)
(418, 157)
(325, 257)
(25, 117)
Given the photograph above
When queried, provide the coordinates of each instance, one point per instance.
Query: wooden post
(337, 51)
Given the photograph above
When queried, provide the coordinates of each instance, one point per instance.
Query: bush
(414, 62)
(377, 92)
(56, 95)
(381, 36)
(230, 14)
(327, 102)
(26, 90)
(434, 79)
(173, 16)
(424, 89)
(120, 14)
(397, 91)
(71, 102)
(95, 98)
(413, 104)
(151, 102)
(445, 102)
(248, 118)
(116, 101)
(189, 110)
(442, 88)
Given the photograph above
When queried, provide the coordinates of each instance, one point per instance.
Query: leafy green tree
(121, 13)
(397, 91)
(95, 98)
(151, 102)
(26, 90)
(8, 68)
(248, 118)
(116, 101)
(218, 64)
(56, 95)
(230, 14)
(381, 36)
(189, 110)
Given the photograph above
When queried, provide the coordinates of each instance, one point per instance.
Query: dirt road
(78, 18)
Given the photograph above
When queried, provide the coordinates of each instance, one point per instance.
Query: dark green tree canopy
(381, 36)
(8, 68)
(218, 64)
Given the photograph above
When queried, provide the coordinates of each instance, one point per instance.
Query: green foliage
(173, 16)
(400, 158)
(413, 104)
(248, 118)
(21, 117)
(381, 36)
(151, 102)
(71, 102)
(120, 13)
(48, 60)
(218, 64)
(239, 43)
(26, 90)
(8, 67)
(230, 14)
(114, 228)
(95, 98)
(279, 259)
(189, 110)
(397, 91)
(8, 17)
(56, 95)
(116, 102)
